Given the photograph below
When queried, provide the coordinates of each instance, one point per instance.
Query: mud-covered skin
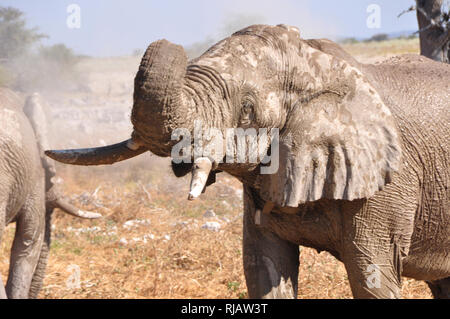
(364, 153)
(383, 229)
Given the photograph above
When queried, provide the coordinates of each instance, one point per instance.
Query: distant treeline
(27, 65)
(379, 37)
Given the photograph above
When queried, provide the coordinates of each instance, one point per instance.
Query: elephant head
(337, 139)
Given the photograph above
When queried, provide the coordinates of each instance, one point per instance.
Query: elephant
(360, 167)
(28, 195)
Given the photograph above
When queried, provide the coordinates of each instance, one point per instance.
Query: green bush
(349, 41)
(378, 37)
(24, 67)
(59, 54)
(15, 38)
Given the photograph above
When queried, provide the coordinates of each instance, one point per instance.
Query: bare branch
(412, 8)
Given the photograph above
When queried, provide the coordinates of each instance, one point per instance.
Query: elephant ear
(340, 142)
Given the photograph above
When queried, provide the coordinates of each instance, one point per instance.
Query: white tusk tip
(89, 215)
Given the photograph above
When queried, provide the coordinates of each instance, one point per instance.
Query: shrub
(59, 54)
(15, 38)
(379, 37)
(349, 41)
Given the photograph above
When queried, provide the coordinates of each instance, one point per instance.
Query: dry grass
(191, 263)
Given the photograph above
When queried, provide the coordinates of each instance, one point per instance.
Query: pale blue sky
(116, 27)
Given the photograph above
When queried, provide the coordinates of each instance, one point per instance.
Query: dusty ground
(151, 241)
(372, 52)
(163, 252)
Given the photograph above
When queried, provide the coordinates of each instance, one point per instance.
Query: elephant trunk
(160, 105)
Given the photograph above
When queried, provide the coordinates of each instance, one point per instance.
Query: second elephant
(27, 193)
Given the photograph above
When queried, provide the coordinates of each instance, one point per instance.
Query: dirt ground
(151, 241)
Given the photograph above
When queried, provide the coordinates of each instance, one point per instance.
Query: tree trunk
(434, 40)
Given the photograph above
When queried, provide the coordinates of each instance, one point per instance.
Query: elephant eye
(247, 107)
(247, 115)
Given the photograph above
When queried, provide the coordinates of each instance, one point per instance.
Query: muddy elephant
(27, 193)
(360, 167)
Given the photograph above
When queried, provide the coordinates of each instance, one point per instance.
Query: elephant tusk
(200, 172)
(72, 210)
(99, 155)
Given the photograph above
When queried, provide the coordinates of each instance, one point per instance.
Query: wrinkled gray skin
(27, 194)
(364, 153)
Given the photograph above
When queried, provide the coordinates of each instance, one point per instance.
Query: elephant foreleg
(270, 263)
(26, 247)
(373, 276)
(373, 263)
